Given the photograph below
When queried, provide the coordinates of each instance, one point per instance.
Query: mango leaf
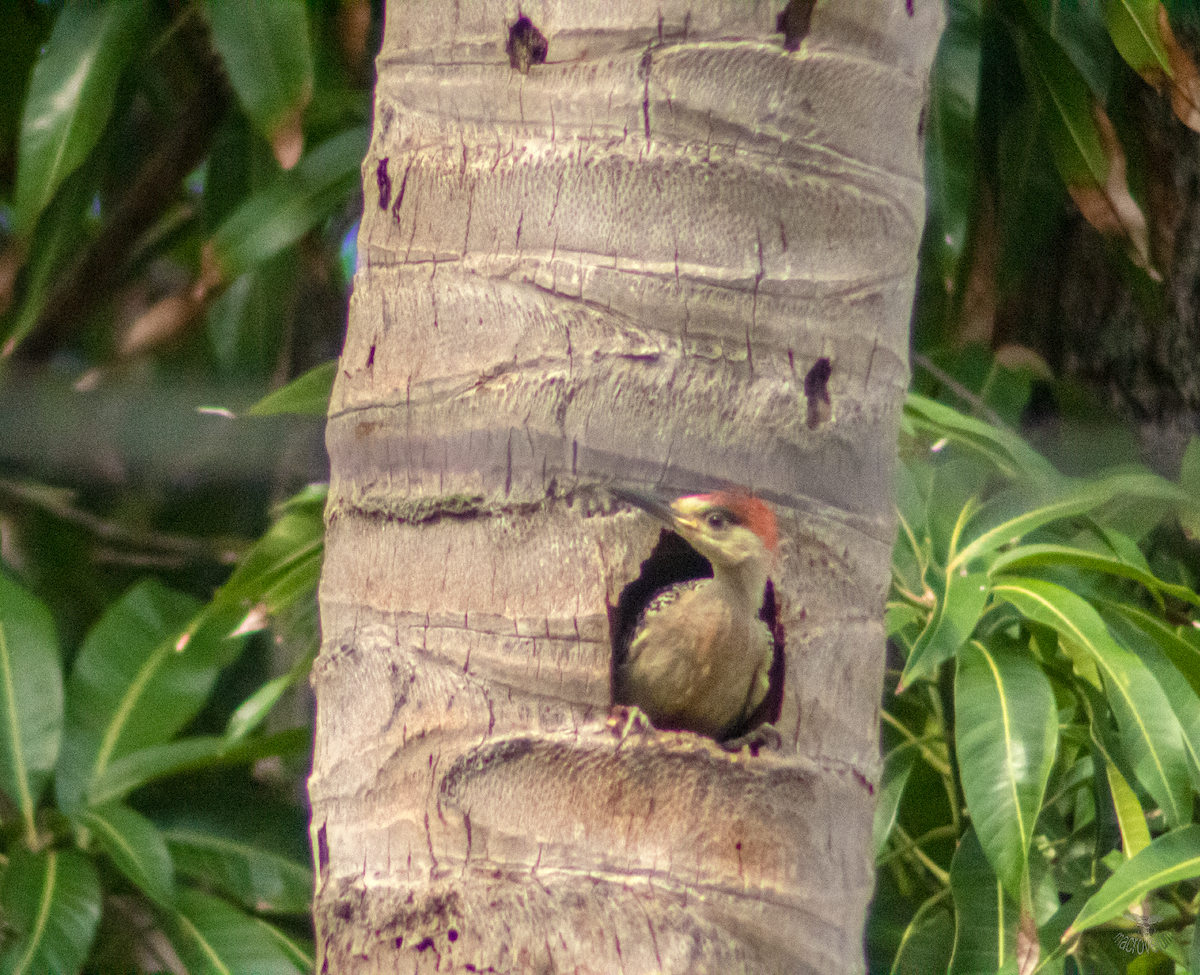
(1169, 859)
(1047, 555)
(59, 232)
(31, 700)
(283, 566)
(51, 903)
(265, 47)
(896, 769)
(952, 623)
(986, 917)
(1141, 32)
(1006, 731)
(1078, 498)
(137, 768)
(136, 682)
(137, 848)
(950, 143)
(1181, 651)
(1131, 818)
(1150, 734)
(258, 879)
(254, 710)
(306, 395)
(1084, 143)
(70, 97)
(295, 203)
(215, 938)
(1184, 700)
(1011, 455)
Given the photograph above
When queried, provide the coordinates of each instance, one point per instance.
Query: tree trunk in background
(623, 265)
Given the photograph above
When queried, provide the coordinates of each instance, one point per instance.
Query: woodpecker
(699, 658)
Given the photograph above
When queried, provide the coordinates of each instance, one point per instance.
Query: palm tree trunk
(674, 253)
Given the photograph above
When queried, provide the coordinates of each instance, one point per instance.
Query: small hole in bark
(816, 391)
(793, 22)
(526, 45)
(399, 942)
(674, 560)
(424, 944)
(452, 934)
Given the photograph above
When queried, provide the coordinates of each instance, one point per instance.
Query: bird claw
(764, 736)
(624, 719)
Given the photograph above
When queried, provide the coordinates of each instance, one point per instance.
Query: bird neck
(747, 579)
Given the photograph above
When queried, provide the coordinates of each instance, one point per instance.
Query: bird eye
(717, 521)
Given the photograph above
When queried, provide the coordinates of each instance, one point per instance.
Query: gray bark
(619, 266)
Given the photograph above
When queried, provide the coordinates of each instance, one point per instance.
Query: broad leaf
(258, 879)
(1087, 498)
(896, 769)
(1009, 452)
(1171, 858)
(31, 700)
(51, 903)
(215, 938)
(1006, 731)
(1150, 734)
(1122, 623)
(1131, 819)
(279, 216)
(265, 48)
(951, 626)
(136, 847)
(950, 144)
(986, 918)
(307, 395)
(70, 97)
(136, 682)
(137, 768)
(1047, 555)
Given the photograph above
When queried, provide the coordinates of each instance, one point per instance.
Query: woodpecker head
(734, 530)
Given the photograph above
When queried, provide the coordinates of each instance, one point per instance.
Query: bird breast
(698, 660)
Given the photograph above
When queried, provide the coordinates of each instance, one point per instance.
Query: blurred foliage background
(179, 191)
(179, 196)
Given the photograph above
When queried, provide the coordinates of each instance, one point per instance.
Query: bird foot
(624, 719)
(764, 736)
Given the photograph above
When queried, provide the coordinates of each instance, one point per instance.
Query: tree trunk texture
(673, 254)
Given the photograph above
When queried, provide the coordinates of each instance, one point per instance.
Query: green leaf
(70, 97)
(136, 847)
(189, 754)
(1046, 555)
(307, 395)
(950, 144)
(1131, 818)
(1071, 131)
(1169, 859)
(215, 938)
(295, 203)
(282, 567)
(254, 710)
(1006, 730)
(1010, 454)
(258, 879)
(1086, 498)
(265, 48)
(51, 902)
(986, 917)
(136, 682)
(31, 700)
(896, 769)
(1149, 644)
(1150, 735)
(59, 234)
(1133, 27)
(952, 624)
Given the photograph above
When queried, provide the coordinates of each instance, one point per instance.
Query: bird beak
(652, 504)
